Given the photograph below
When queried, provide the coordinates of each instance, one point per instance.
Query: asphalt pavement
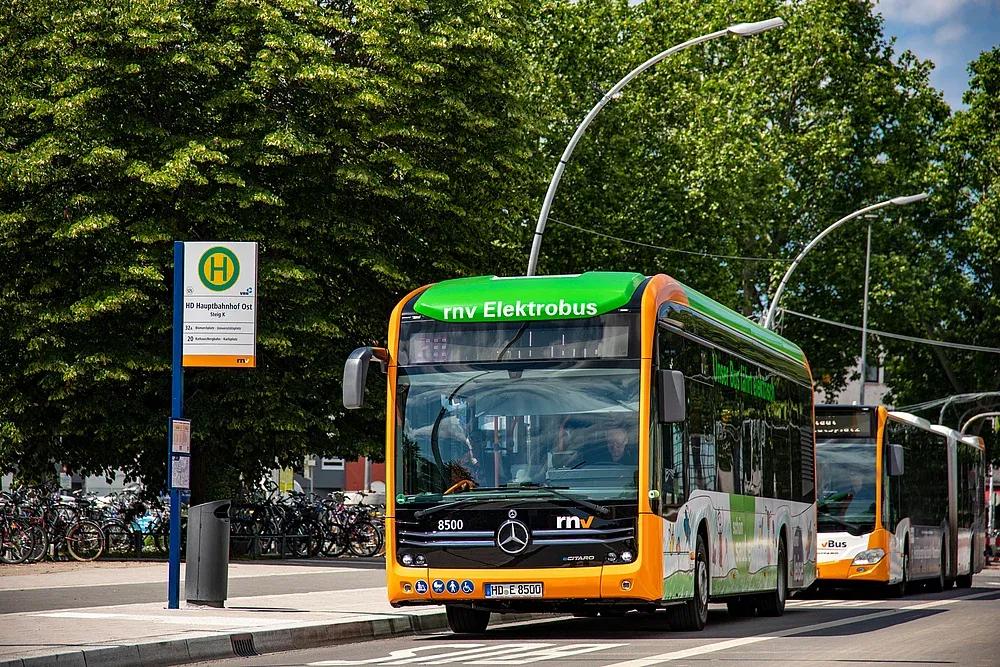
(955, 627)
(335, 613)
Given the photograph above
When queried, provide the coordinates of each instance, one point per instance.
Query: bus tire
(693, 614)
(466, 620)
(773, 604)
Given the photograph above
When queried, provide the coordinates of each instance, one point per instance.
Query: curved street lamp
(739, 29)
(768, 322)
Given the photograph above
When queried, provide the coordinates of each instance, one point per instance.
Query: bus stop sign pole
(176, 412)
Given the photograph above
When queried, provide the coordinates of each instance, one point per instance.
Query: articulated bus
(592, 444)
(900, 500)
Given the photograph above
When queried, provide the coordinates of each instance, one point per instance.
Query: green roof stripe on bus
(730, 318)
(519, 298)
(497, 299)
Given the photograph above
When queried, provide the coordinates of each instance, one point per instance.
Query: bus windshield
(475, 431)
(847, 486)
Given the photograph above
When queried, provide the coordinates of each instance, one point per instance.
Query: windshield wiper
(554, 490)
(420, 514)
(522, 486)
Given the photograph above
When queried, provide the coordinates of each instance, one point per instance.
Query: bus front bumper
(846, 571)
(609, 583)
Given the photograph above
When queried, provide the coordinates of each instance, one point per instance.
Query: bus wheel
(693, 614)
(773, 604)
(465, 620)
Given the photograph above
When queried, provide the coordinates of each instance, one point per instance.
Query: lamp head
(749, 29)
(910, 199)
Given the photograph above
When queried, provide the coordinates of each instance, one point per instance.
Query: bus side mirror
(356, 372)
(673, 403)
(895, 460)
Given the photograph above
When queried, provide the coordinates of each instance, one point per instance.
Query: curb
(248, 644)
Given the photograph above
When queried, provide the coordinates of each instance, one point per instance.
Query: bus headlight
(627, 556)
(420, 560)
(407, 560)
(869, 557)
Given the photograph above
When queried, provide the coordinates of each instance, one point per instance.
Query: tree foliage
(741, 147)
(366, 145)
(960, 302)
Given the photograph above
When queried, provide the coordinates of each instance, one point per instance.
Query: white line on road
(743, 641)
(476, 654)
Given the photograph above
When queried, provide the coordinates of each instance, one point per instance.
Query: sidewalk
(150, 634)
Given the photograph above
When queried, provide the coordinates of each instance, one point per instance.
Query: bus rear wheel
(466, 620)
(693, 614)
(773, 604)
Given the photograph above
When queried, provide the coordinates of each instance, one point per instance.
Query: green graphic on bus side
(742, 379)
(493, 299)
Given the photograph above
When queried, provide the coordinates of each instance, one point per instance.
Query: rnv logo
(573, 522)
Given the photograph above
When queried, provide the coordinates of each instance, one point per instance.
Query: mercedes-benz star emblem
(513, 537)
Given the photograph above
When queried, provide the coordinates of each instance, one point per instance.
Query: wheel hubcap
(702, 583)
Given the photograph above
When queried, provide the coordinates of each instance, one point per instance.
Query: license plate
(533, 590)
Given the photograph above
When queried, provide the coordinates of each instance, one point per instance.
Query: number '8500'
(450, 524)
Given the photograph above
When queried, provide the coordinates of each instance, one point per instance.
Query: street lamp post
(864, 318)
(768, 322)
(740, 29)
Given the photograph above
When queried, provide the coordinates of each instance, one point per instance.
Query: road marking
(743, 641)
(815, 603)
(476, 654)
(553, 653)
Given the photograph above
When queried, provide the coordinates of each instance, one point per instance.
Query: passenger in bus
(618, 450)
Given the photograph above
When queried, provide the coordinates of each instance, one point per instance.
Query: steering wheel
(460, 485)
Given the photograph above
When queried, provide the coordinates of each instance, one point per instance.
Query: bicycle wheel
(16, 542)
(84, 540)
(365, 539)
(39, 544)
(118, 539)
(334, 543)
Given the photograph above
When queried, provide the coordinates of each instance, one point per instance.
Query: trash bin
(207, 573)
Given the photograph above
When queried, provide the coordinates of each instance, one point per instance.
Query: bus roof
(576, 296)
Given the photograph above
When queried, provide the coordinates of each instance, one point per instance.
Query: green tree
(962, 303)
(367, 146)
(738, 147)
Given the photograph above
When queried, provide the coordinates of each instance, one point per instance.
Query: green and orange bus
(592, 444)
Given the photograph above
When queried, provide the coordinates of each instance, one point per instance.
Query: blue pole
(176, 412)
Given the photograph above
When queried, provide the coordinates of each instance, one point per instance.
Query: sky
(951, 33)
